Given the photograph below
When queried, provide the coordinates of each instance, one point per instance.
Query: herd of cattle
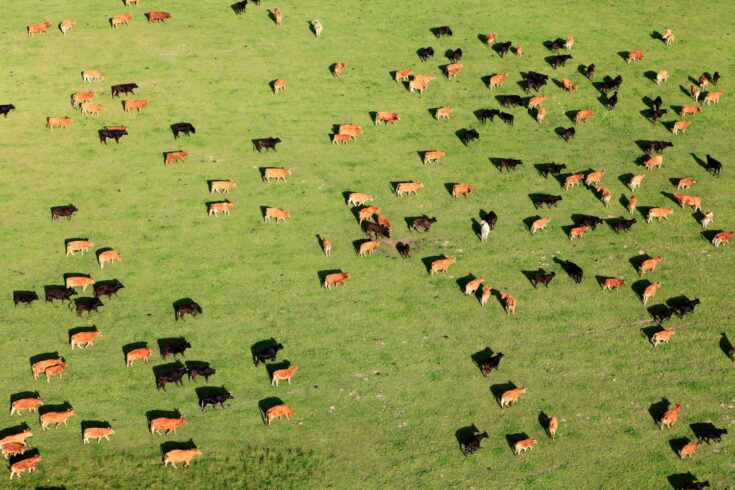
(374, 223)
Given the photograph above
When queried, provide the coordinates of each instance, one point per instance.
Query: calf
(611, 84)
(612, 101)
(649, 265)
(426, 53)
(508, 164)
(156, 16)
(723, 238)
(491, 219)
(662, 336)
(174, 349)
(172, 376)
(684, 200)
(108, 288)
(622, 224)
(658, 114)
(278, 173)
(590, 71)
(433, 156)
(368, 248)
(577, 232)
(191, 308)
(549, 200)
(55, 370)
(707, 219)
(510, 397)
(613, 284)
(83, 339)
(79, 281)
(473, 444)
(268, 354)
(568, 85)
(282, 374)
(6, 108)
(30, 403)
(376, 229)
(367, 212)
(169, 424)
(470, 289)
(441, 265)
(185, 456)
(216, 207)
(685, 184)
(689, 450)
(38, 29)
(123, 88)
(108, 256)
(635, 181)
(443, 113)
(680, 126)
(185, 127)
(583, 116)
(469, 135)
(97, 433)
(404, 249)
(558, 61)
(658, 146)
(214, 399)
(134, 104)
(462, 190)
(90, 305)
(338, 68)
(24, 297)
(497, 80)
(40, 366)
(27, 464)
(552, 424)
(455, 55)
(422, 223)
(547, 169)
(634, 55)
(266, 144)
(654, 162)
(58, 122)
(524, 445)
(386, 117)
(341, 139)
(510, 303)
(573, 181)
(713, 97)
(278, 214)
(535, 102)
(539, 225)
(503, 48)
(487, 366)
(13, 448)
(120, 20)
(659, 213)
(650, 291)
(543, 278)
(239, 7)
(664, 315)
(714, 166)
(662, 76)
(59, 292)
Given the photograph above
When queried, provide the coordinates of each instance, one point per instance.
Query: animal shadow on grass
(582, 70)
(572, 115)
(127, 348)
(656, 310)
(356, 244)
(323, 274)
(266, 404)
(95, 424)
(528, 222)
(43, 357)
(640, 286)
(428, 260)
(476, 227)
(481, 357)
(656, 410)
(498, 389)
(512, 439)
(624, 201)
(709, 235)
(685, 91)
(565, 266)
(465, 435)
(236, 7)
(624, 55)
(625, 179)
(643, 211)
(432, 111)
(680, 481)
(24, 394)
(677, 443)
(156, 414)
(637, 261)
(543, 420)
(262, 345)
(271, 368)
(460, 134)
(16, 429)
(531, 275)
(272, 15)
(180, 303)
(601, 280)
(700, 162)
(463, 281)
(30, 453)
(59, 407)
(171, 445)
(485, 81)
(567, 229)
(677, 301)
(669, 125)
(726, 345)
(648, 332)
(651, 75)
(559, 130)
(702, 429)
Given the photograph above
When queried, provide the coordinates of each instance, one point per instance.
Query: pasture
(386, 373)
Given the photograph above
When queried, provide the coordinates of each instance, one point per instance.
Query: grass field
(386, 373)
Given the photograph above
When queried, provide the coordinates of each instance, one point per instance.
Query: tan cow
(387, 117)
(433, 156)
(383, 220)
(662, 76)
(442, 265)
(277, 412)
(536, 101)
(668, 37)
(659, 213)
(341, 139)
(635, 181)
(723, 238)
(169, 424)
(634, 55)
(78, 245)
(108, 256)
(367, 212)
(83, 339)
(56, 418)
(453, 68)
(680, 126)
(577, 232)
(669, 417)
(632, 203)
(185, 456)
(690, 110)
(92, 76)
(510, 397)
(408, 188)
(569, 43)
(685, 184)
(97, 433)
(519, 50)
(137, 354)
(56, 370)
(485, 295)
(80, 97)
(524, 445)
(282, 374)
(510, 303)
(552, 425)
(128, 3)
(120, 20)
(58, 122)
(539, 225)
(695, 92)
(38, 28)
(88, 108)
(689, 450)
(693, 201)
(662, 336)
(703, 81)
(134, 104)
(216, 207)
(326, 246)
(367, 248)
(594, 177)
(472, 286)
(649, 265)
(279, 86)
(712, 97)
(79, 281)
(568, 85)
(650, 291)
(336, 279)
(13, 448)
(540, 114)
(654, 162)
(27, 464)
(18, 437)
(462, 190)
(707, 219)
(417, 85)
(582, 116)
(30, 403)
(351, 129)
(613, 284)
(402, 75)
(338, 68)
(278, 17)
(278, 173)
(490, 38)
(605, 195)
(358, 198)
(443, 113)
(498, 80)
(572, 181)
(40, 366)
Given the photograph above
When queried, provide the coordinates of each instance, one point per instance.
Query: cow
(561, 60)
(341, 138)
(634, 55)
(120, 20)
(385, 222)
(56, 418)
(111, 133)
(169, 424)
(649, 265)
(279, 86)
(278, 214)
(423, 223)
(77, 281)
(536, 101)
(216, 207)
(239, 7)
(190, 308)
(591, 221)
(468, 135)
(157, 16)
(605, 194)
(723, 238)
(490, 38)
(485, 296)
(123, 88)
(594, 177)
(497, 80)
(540, 114)
(658, 114)
(441, 265)
(573, 181)
(510, 397)
(687, 307)
(137, 354)
(84, 339)
(18, 437)
(690, 110)
(685, 184)
(403, 249)
(386, 117)
(582, 116)
(277, 412)
(662, 336)
(87, 304)
(485, 114)
(503, 48)
(684, 200)
(612, 283)
(338, 68)
(30, 403)
(612, 101)
(453, 69)
(408, 188)
(574, 271)
(174, 349)
(351, 129)
(664, 315)
(547, 169)
(92, 76)
(658, 146)
(510, 303)
(508, 164)
(506, 118)
(335, 279)
(611, 84)
(58, 122)
(491, 219)
(659, 213)
(6, 108)
(27, 464)
(487, 366)
(78, 245)
(108, 256)
(716, 77)
(461, 190)
(185, 127)
(442, 31)
(689, 450)
(512, 101)
(668, 37)
(402, 75)
(426, 53)
(549, 200)
(266, 144)
(472, 286)
(367, 212)
(699, 485)
(40, 366)
(635, 181)
(185, 456)
(712, 97)
(455, 55)
(668, 419)
(519, 51)
(713, 166)
(278, 173)
(568, 85)
(377, 230)
(542, 277)
(78, 98)
(214, 399)
(134, 104)
(473, 444)
(38, 28)
(577, 232)
(708, 217)
(590, 71)
(25, 297)
(654, 162)
(278, 16)
(204, 371)
(13, 448)
(171, 376)
(568, 134)
(622, 224)
(680, 126)
(443, 113)
(632, 202)
(433, 156)
(650, 291)
(97, 433)
(712, 433)
(662, 76)
(367, 248)
(524, 445)
(108, 288)
(89, 108)
(539, 225)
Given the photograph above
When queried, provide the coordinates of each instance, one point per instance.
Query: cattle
(708, 217)
(663, 315)
(157, 16)
(591, 221)
(13, 448)
(490, 38)
(699, 485)
(123, 88)
(685, 184)
(573, 181)
(441, 265)
(557, 44)
(120, 20)
(341, 139)
(544, 278)
(87, 304)
(137, 354)
(650, 291)
(404, 249)
(279, 86)
(668, 37)
(455, 55)
(546, 199)
(473, 444)
(568, 85)
(574, 271)
(712, 433)
(680, 126)
(658, 146)
(408, 188)
(216, 207)
(384, 221)
(635, 181)
(461, 190)
(551, 168)
(657, 102)
(497, 80)
(58, 122)
(204, 371)
(367, 248)
(134, 104)
(18, 437)
(92, 75)
(171, 376)
(577, 232)
(351, 129)
(503, 48)
(78, 245)
(491, 219)
(278, 214)
(169, 424)
(684, 200)
(443, 113)
(485, 114)
(30, 403)
(40, 366)
(519, 51)
(27, 464)
(277, 412)
(174, 349)
(695, 92)
(338, 68)
(539, 78)
(568, 134)
(687, 307)
(552, 424)
(611, 84)
(186, 128)
(377, 230)
(56, 418)
(540, 114)
(485, 296)
(185, 456)
(613, 284)
(539, 225)
(335, 279)
(266, 144)
(510, 397)
(426, 53)
(622, 224)
(632, 202)
(713, 166)
(111, 133)
(80, 97)
(723, 238)
(214, 399)
(38, 28)
(605, 195)
(649, 265)
(634, 55)
(282, 374)
(278, 173)
(77, 281)
(239, 7)
(402, 75)
(712, 97)
(582, 116)
(689, 450)
(506, 118)
(108, 288)
(84, 339)
(657, 114)
(659, 213)
(558, 61)
(24, 297)
(689, 110)
(472, 286)
(654, 162)
(423, 223)
(662, 336)
(190, 308)
(433, 156)
(510, 303)
(6, 108)
(512, 101)
(612, 101)
(177, 156)
(534, 102)
(590, 71)
(442, 31)
(524, 445)
(108, 256)
(89, 108)
(662, 76)
(488, 365)
(97, 433)
(386, 117)
(453, 69)
(594, 177)
(367, 212)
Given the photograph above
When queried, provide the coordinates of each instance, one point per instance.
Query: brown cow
(38, 28)
(632, 203)
(120, 20)
(635, 181)
(510, 397)
(723, 238)
(169, 424)
(582, 116)
(649, 265)
(335, 279)
(662, 76)
(278, 214)
(540, 115)
(56, 370)
(278, 173)
(485, 295)
(28, 464)
(97, 433)
(18, 437)
(387, 117)
(83, 339)
(77, 245)
(77, 281)
(659, 213)
(88, 108)
(703, 81)
(221, 186)
(685, 184)
(80, 97)
(524, 445)
(690, 109)
(351, 129)
(498, 80)
(338, 68)
(552, 424)
(613, 284)
(536, 101)
(417, 85)
(605, 195)
(650, 291)
(341, 138)
(278, 16)
(383, 220)
(278, 411)
(461, 189)
(577, 232)
(92, 75)
(61, 122)
(442, 265)
(136, 354)
(443, 113)
(367, 248)
(56, 418)
(654, 162)
(662, 336)
(712, 97)
(634, 55)
(572, 181)
(490, 38)
(680, 126)
(568, 85)
(134, 104)
(367, 212)
(326, 246)
(669, 417)
(358, 198)
(689, 449)
(30, 403)
(695, 92)
(695, 202)
(157, 16)
(472, 286)
(279, 86)
(510, 303)
(66, 25)
(282, 374)
(402, 75)
(594, 177)
(13, 448)
(175, 156)
(217, 207)
(453, 68)
(668, 37)
(108, 256)
(40, 366)
(180, 456)
(433, 156)
(539, 225)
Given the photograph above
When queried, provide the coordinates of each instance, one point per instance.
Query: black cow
(714, 166)
(268, 354)
(557, 44)
(551, 168)
(443, 31)
(486, 367)
(108, 289)
(455, 55)
(611, 84)
(612, 101)
(468, 135)
(716, 77)
(266, 143)
(546, 199)
(192, 309)
(256, 2)
(61, 211)
(491, 219)
(657, 102)
(506, 118)
(239, 7)
(426, 53)
(696, 485)
(560, 60)
(686, 308)
(534, 75)
(5, 108)
(534, 84)
(60, 292)
(590, 72)
(486, 114)
(512, 101)
(123, 88)
(174, 349)
(543, 278)
(474, 444)
(658, 146)
(25, 297)
(712, 433)
(115, 134)
(591, 221)
(508, 164)
(185, 127)
(87, 304)
(377, 229)
(657, 114)
(173, 376)
(568, 134)
(214, 399)
(574, 271)
(206, 372)
(664, 315)
(623, 224)
(503, 48)
(404, 249)
(423, 223)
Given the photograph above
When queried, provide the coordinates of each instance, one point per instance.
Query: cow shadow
(564, 264)
(476, 228)
(651, 75)
(324, 273)
(601, 280)
(427, 261)
(462, 281)
(643, 211)
(76, 330)
(625, 179)
(16, 429)
(640, 286)
(465, 434)
(624, 201)
(272, 16)
(709, 235)
(433, 111)
(44, 357)
(649, 332)
(346, 196)
(157, 414)
(582, 70)
(699, 161)
(59, 407)
(670, 197)
(656, 310)
(481, 357)
(702, 429)
(543, 420)
(572, 115)
(680, 481)
(531, 275)
(174, 445)
(262, 345)
(677, 443)
(483, 39)
(127, 348)
(95, 424)
(449, 186)
(685, 91)
(513, 439)
(486, 80)
(657, 410)
(669, 125)
(266, 404)
(498, 389)
(271, 368)
(623, 55)
(30, 453)
(567, 229)
(637, 261)
(179, 303)
(559, 131)
(677, 301)
(22, 395)
(726, 346)
(235, 8)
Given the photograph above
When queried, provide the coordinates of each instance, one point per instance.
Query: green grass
(386, 376)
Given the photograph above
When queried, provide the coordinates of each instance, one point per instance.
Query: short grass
(386, 376)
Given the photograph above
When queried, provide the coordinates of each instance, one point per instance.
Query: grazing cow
(472, 286)
(88, 108)
(487, 366)
(238, 7)
(351, 129)
(358, 198)
(279, 86)
(668, 37)
(185, 456)
(111, 133)
(108, 289)
(17, 438)
(278, 173)
(341, 139)
(443, 113)
(512, 101)
(669, 417)
(485, 114)
(92, 76)
(169, 424)
(695, 92)
(497, 80)
(278, 214)
(568, 134)
(191, 308)
(77, 99)
(510, 397)
(13, 448)
(622, 224)
(632, 202)
(714, 166)
(540, 114)
(548, 200)
(83, 339)
(217, 207)
(506, 118)
(582, 116)
(485, 297)
(650, 291)
(442, 265)
(24, 297)
(461, 190)
(408, 188)
(712, 433)
(27, 464)
(277, 412)
(386, 117)
(654, 162)
(172, 376)
(635, 181)
(649, 265)
(504, 48)
(77, 281)
(137, 354)
(659, 213)
(367, 248)
(594, 177)
(40, 366)
(544, 278)
(689, 450)
(613, 284)
(266, 143)
(335, 279)
(707, 219)
(377, 230)
(453, 69)
(175, 156)
(693, 201)
(723, 238)
(687, 307)
(690, 110)
(6, 108)
(508, 164)
(716, 77)
(560, 60)
(473, 444)
(214, 399)
(282, 374)
(605, 195)
(524, 445)
(38, 28)
(404, 249)
(712, 97)
(174, 349)
(367, 212)
(510, 303)
(539, 225)
(568, 85)
(685, 184)
(338, 68)
(123, 88)
(664, 315)
(30, 403)
(577, 232)
(634, 55)
(662, 336)
(58, 122)
(134, 104)
(611, 84)
(426, 53)
(612, 101)
(157, 16)
(442, 31)
(455, 55)
(185, 128)
(658, 146)
(120, 20)
(552, 424)
(662, 76)
(92, 304)
(433, 156)
(590, 71)
(97, 433)
(422, 223)
(384, 221)
(680, 126)
(551, 168)
(205, 372)
(572, 181)
(402, 75)
(56, 418)
(77, 245)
